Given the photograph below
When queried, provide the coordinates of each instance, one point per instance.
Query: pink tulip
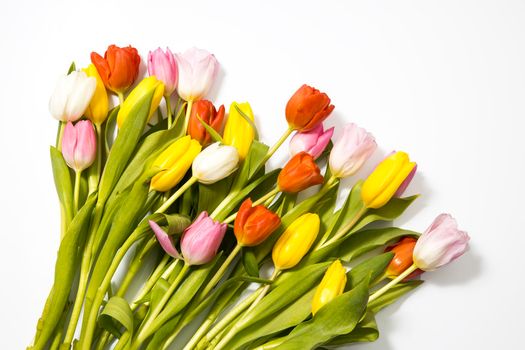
(441, 243)
(401, 189)
(79, 145)
(351, 151)
(313, 141)
(197, 72)
(163, 66)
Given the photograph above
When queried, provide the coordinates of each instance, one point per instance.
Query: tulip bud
(197, 72)
(402, 259)
(312, 142)
(206, 111)
(295, 242)
(163, 66)
(79, 145)
(215, 163)
(174, 162)
(332, 285)
(202, 239)
(71, 97)
(98, 108)
(299, 173)
(441, 243)
(307, 108)
(118, 68)
(386, 179)
(136, 96)
(254, 224)
(351, 151)
(238, 132)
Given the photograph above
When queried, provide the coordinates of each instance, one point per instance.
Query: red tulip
(207, 112)
(254, 224)
(299, 173)
(307, 108)
(118, 68)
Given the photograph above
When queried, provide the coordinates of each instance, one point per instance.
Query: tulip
(312, 142)
(137, 95)
(299, 173)
(164, 239)
(215, 163)
(71, 97)
(202, 239)
(79, 145)
(163, 66)
(351, 151)
(118, 68)
(197, 71)
(98, 108)
(254, 224)
(332, 285)
(174, 162)
(238, 132)
(205, 110)
(402, 259)
(386, 179)
(440, 244)
(405, 183)
(295, 242)
(307, 108)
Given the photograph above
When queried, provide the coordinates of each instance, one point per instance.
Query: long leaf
(116, 314)
(63, 184)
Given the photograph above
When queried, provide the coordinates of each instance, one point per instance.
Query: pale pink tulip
(197, 72)
(313, 141)
(79, 145)
(441, 243)
(164, 67)
(351, 151)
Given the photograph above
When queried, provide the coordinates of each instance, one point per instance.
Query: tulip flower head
(79, 145)
(313, 141)
(215, 163)
(205, 110)
(332, 285)
(174, 162)
(385, 180)
(118, 68)
(197, 72)
(406, 183)
(296, 241)
(254, 224)
(137, 95)
(440, 244)
(307, 108)
(299, 173)
(164, 66)
(238, 132)
(98, 108)
(402, 259)
(351, 151)
(71, 96)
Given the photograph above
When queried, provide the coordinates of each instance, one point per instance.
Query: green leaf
(72, 68)
(250, 262)
(158, 290)
(115, 315)
(365, 331)
(213, 133)
(211, 195)
(63, 184)
(393, 294)
(371, 269)
(256, 153)
(110, 128)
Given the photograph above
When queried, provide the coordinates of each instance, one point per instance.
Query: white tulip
(71, 97)
(215, 163)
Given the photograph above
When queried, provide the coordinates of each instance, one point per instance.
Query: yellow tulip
(98, 108)
(332, 285)
(238, 132)
(175, 162)
(385, 180)
(146, 86)
(295, 242)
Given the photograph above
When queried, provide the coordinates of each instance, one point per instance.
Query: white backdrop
(443, 80)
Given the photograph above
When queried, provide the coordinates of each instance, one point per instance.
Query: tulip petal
(164, 239)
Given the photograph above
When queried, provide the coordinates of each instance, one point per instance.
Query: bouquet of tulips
(177, 198)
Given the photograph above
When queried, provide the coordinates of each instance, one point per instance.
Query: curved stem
(218, 275)
(344, 230)
(157, 273)
(188, 113)
(392, 283)
(274, 148)
(223, 204)
(60, 135)
(168, 111)
(120, 97)
(76, 193)
(176, 195)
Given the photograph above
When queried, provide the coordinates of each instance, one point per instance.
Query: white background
(443, 80)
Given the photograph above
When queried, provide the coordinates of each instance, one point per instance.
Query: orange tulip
(307, 108)
(299, 173)
(207, 112)
(118, 68)
(402, 259)
(254, 224)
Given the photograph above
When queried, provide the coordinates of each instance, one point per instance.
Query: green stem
(218, 275)
(223, 204)
(257, 202)
(120, 97)
(392, 283)
(123, 341)
(60, 135)
(168, 111)
(176, 195)
(274, 148)
(343, 230)
(187, 118)
(134, 267)
(76, 193)
(96, 169)
(157, 273)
